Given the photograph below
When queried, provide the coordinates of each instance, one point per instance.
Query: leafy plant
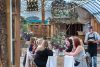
(58, 40)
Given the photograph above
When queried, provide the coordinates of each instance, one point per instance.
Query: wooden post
(8, 33)
(43, 11)
(17, 33)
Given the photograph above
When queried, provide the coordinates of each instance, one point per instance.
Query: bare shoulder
(80, 47)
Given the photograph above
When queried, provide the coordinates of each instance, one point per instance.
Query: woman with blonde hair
(42, 53)
(78, 53)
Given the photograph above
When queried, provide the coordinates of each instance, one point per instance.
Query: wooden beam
(43, 11)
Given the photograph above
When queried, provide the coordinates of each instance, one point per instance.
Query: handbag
(76, 63)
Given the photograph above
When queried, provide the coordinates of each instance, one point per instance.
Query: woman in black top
(42, 53)
(69, 45)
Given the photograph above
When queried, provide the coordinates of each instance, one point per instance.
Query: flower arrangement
(58, 41)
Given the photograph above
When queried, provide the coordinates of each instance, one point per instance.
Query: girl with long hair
(78, 53)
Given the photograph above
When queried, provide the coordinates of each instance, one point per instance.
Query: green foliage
(58, 39)
(24, 28)
(24, 25)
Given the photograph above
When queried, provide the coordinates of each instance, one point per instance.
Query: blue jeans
(94, 61)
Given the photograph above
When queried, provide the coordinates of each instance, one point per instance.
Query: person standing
(92, 38)
(29, 57)
(41, 54)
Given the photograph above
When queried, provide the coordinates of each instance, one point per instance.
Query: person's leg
(90, 56)
(24, 61)
(29, 63)
(89, 60)
(94, 61)
(0, 63)
(40, 66)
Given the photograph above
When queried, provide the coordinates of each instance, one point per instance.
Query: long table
(60, 61)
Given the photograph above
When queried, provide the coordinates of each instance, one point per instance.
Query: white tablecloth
(52, 61)
(29, 57)
(68, 61)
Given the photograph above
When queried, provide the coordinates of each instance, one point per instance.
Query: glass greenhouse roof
(93, 6)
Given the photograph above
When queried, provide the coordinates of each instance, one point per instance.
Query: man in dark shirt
(92, 39)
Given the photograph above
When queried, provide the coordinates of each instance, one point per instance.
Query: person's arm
(38, 48)
(77, 51)
(34, 48)
(97, 37)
